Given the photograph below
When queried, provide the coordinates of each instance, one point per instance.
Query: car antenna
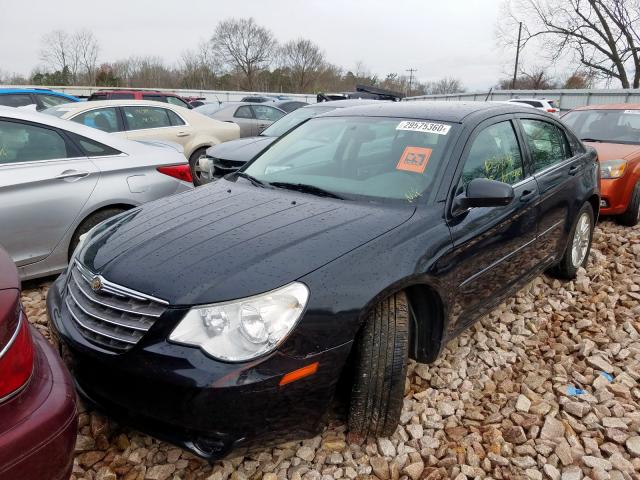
(487, 97)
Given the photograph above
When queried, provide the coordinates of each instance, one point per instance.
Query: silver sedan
(59, 179)
(252, 118)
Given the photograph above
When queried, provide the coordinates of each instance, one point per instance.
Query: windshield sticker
(632, 112)
(414, 159)
(426, 127)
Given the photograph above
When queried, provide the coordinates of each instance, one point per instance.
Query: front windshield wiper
(591, 140)
(303, 187)
(252, 179)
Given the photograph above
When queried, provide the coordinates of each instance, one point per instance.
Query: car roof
(153, 92)
(611, 106)
(528, 99)
(5, 91)
(114, 141)
(355, 102)
(81, 106)
(453, 111)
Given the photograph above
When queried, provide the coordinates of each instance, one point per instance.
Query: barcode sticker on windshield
(632, 112)
(426, 127)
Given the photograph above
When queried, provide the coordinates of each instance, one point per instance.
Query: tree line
(240, 55)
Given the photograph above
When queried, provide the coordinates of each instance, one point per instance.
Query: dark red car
(140, 95)
(38, 416)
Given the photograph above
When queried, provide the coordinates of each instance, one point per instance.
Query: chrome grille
(113, 317)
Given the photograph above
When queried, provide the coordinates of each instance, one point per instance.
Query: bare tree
(444, 86)
(85, 48)
(535, 78)
(601, 35)
(245, 46)
(305, 61)
(58, 53)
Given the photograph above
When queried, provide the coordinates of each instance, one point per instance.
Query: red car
(140, 95)
(38, 416)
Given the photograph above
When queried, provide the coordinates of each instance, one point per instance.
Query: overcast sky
(438, 38)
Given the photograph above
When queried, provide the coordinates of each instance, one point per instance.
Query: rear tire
(380, 362)
(194, 166)
(90, 222)
(632, 215)
(576, 254)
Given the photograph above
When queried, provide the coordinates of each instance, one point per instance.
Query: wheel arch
(594, 200)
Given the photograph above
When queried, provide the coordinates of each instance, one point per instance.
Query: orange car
(614, 131)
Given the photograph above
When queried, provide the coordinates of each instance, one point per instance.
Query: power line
(411, 71)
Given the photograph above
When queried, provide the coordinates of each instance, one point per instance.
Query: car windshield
(352, 157)
(293, 119)
(613, 126)
(57, 111)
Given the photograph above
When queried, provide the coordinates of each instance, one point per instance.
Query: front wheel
(632, 214)
(577, 252)
(381, 353)
(199, 176)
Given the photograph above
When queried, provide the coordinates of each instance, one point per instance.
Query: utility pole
(515, 70)
(411, 71)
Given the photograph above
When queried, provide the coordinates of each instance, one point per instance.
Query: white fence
(565, 98)
(209, 95)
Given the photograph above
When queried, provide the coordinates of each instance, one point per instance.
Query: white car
(540, 103)
(59, 179)
(148, 120)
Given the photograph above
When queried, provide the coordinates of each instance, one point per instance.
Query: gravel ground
(546, 386)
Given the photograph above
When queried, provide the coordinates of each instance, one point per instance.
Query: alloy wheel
(581, 239)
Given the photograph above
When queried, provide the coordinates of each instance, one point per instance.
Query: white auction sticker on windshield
(426, 127)
(632, 112)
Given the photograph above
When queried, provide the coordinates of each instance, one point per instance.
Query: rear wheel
(381, 353)
(632, 215)
(200, 177)
(90, 222)
(577, 252)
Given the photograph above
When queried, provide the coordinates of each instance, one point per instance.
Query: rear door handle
(72, 174)
(527, 195)
(183, 134)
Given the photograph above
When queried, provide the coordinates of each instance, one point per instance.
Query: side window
(105, 119)
(121, 96)
(533, 103)
(270, 114)
(174, 118)
(155, 98)
(20, 142)
(140, 118)
(49, 101)
(547, 143)
(92, 148)
(16, 100)
(177, 101)
(494, 154)
(243, 112)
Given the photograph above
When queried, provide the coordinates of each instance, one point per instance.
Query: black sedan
(227, 157)
(222, 318)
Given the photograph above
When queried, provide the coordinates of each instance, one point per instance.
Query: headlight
(612, 168)
(243, 329)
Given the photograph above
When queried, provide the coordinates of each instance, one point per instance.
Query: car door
(153, 123)
(44, 183)
(245, 119)
(265, 116)
(557, 171)
(492, 246)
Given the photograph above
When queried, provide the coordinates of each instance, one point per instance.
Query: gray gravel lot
(501, 402)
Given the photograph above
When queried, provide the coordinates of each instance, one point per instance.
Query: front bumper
(38, 426)
(180, 395)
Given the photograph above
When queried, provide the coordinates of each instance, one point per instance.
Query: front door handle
(527, 195)
(573, 169)
(72, 175)
(183, 134)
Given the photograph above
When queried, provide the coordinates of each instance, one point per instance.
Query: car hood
(613, 151)
(229, 240)
(241, 150)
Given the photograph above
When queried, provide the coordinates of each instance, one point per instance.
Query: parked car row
(338, 242)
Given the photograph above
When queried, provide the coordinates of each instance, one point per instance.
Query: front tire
(631, 217)
(579, 245)
(381, 353)
(194, 166)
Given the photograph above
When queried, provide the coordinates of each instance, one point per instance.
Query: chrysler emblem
(96, 284)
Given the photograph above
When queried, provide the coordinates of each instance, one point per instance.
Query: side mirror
(483, 192)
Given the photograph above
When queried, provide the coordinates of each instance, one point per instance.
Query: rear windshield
(379, 157)
(612, 126)
(57, 111)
